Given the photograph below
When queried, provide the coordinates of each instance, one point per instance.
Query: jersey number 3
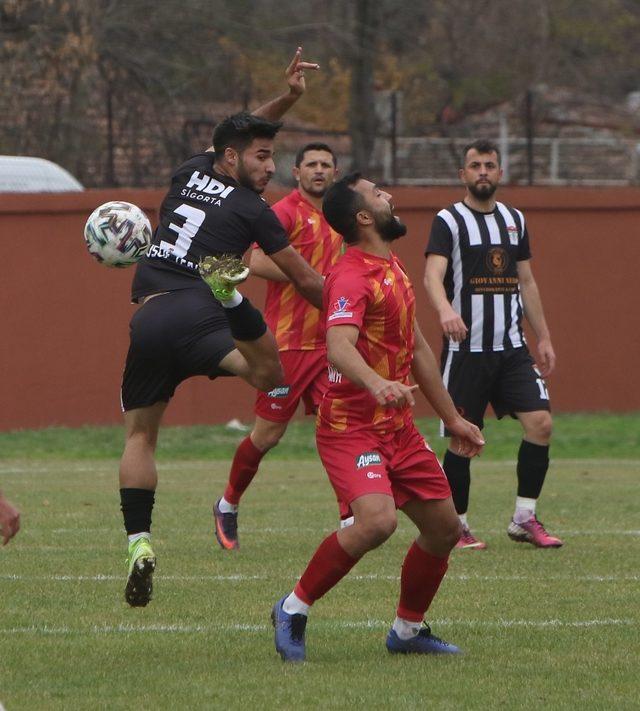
(186, 232)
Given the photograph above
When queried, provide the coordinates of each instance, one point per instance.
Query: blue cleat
(289, 633)
(423, 643)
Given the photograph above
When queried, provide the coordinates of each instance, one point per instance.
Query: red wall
(64, 318)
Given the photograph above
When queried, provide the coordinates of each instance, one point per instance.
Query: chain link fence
(553, 161)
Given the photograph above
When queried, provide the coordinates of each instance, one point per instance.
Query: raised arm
(468, 440)
(534, 314)
(294, 74)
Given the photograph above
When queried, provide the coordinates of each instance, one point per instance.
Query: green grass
(588, 436)
(552, 629)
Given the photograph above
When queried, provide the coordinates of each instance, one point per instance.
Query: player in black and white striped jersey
(479, 279)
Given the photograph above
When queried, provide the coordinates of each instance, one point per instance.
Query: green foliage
(161, 64)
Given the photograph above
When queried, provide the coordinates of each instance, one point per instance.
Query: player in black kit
(184, 327)
(479, 279)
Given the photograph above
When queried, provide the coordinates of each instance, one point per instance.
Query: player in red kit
(376, 459)
(296, 324)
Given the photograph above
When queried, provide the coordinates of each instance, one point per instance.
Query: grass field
(553, 629)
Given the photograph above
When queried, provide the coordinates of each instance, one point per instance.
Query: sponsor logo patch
(497, 260)
(281, 391)
(366, 459)
(205, 188)
(340, 309)
(374, 475)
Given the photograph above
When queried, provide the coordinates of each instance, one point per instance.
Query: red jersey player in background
(375, 457)
(296, 324)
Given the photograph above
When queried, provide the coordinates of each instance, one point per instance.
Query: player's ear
(231, 155)
(296, 173)
(364, 217)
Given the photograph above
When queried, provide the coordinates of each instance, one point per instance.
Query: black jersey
(481, 280)
(204, 213)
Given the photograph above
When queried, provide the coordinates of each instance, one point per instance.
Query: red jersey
(374, 294)
(295, 323)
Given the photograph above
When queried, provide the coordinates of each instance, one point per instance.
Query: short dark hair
(315, 147)
(239, 130)
(482, 145)
(340, 206)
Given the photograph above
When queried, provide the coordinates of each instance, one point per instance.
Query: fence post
(554, 161)
(528, 120)
(394, 136)
(504, 146)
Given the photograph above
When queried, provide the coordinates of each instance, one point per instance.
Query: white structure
(22, 174)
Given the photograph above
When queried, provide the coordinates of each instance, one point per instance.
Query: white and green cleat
(142, 562)
(222, 274)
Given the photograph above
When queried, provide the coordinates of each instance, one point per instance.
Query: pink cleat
(469, 541)
(532, 531)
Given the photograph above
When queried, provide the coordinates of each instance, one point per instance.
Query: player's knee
(142, 438)
(379, 527)
(451, 532)
(539, 427)
(267, 375)
(442, 541)
(265, 441)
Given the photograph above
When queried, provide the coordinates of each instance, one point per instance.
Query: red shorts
(400, 464)
(305, 376)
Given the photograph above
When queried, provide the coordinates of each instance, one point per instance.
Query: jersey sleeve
(269, 233)
(440, 239)
(524, 250)
(284, 214)
(345, 298)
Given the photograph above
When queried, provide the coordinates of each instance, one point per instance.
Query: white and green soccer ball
(117, 234)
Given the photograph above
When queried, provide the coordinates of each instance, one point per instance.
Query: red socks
(421, 576)
(330, 563)
(244, 467)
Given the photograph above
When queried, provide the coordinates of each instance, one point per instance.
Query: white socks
(525, 509)
(134, 536)
(406, 629)
(293, 605)
(225, 507)
(234, 301)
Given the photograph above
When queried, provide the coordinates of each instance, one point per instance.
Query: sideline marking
(321, 529)
(367, 576)
(361, 624)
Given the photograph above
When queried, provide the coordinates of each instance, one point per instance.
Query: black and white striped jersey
(481, 280)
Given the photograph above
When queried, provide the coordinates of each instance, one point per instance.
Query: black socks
(533, 462)
(245, 321)
(137, 505)
(458, 471)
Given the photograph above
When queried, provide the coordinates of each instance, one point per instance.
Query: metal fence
(543, 161)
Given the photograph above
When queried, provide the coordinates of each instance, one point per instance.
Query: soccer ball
(117, 234)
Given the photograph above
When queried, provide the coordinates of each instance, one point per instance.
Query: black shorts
(173, 337)
(509, 380)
